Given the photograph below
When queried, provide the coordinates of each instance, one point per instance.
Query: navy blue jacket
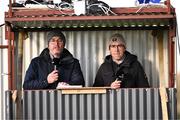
(39, 68)
(130, 72)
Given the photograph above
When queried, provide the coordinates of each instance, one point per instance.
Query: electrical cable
(105, 10)
(36, 2)
(2, 25)
(64, 6)
(50, 7)
(108, 10)
(67, 6)
(143, 6)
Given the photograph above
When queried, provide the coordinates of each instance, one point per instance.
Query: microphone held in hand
(56, 62)
(120, 77)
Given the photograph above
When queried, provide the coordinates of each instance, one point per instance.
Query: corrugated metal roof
(36, 19)
(90, 23)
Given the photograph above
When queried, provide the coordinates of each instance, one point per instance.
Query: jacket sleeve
(142, 80)
(77, 76)
(99, 79)
(32, 79)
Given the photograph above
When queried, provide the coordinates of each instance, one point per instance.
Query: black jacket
(69, 71)
(130, 72)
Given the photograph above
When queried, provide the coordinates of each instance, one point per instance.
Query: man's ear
(109, 47)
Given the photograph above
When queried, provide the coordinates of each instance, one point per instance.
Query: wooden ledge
(85, 90)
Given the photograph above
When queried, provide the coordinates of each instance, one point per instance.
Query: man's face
(56, 46)
(117, 50)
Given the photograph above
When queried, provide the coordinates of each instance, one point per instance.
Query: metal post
(19, 75)
(10, 81)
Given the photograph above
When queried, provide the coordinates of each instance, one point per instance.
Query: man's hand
(116, 84)
(63, 84)
(52, 77)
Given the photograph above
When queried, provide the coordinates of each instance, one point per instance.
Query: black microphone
(120, 77)
(56, 63)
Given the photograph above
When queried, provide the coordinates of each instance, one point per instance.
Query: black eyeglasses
(117, 46)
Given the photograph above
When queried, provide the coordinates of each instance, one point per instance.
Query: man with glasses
(55, 65)
(120, 69)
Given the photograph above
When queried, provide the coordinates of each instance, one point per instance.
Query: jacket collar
(65, 58)
(129, 58)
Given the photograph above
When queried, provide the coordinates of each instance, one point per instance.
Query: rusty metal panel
(90, 47)
(112, 105)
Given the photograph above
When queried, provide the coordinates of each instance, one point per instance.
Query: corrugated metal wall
(122, 104)
(90, 47)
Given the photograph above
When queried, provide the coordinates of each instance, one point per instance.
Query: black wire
(2, 25)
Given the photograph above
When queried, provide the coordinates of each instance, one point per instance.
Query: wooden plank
(164, 100)
(161, 59)
(85, 90)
